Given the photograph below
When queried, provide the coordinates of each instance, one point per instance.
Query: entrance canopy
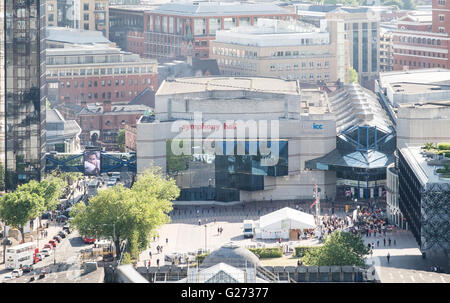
(286, 219)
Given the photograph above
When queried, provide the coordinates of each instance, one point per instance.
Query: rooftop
(74, 36)
(203, 84)
(220, 9)
(414, 80)
(232, 255)
(419, 163)
(115, 109)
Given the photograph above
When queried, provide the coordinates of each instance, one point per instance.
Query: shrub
(444, 146)
(262, 253)
(126, 258)
(301, 250)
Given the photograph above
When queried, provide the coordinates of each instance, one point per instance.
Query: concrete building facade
(276, 48)
(307, 130)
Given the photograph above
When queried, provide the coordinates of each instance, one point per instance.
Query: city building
(62, 135)
(365, 145)
(100, 123)
(130, 138)
(22, 90)
(362, 27)
(60, 37)
(424, 196)
(393, 212)
(422, 39)
(182, 29)
(277, 48)
(386, 50)
(240, 166)
(80, 14)
(98, 72)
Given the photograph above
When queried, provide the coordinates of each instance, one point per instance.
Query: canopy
(278, 223)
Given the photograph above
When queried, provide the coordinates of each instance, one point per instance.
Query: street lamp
(206, 226)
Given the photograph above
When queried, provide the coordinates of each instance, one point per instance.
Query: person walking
(389, 241)
(150, 254)
(378, 243)
(388, 257)
(395, 242)
(157, 262)
(384, 242)
(167, 240)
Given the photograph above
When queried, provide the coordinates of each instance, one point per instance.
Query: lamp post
(206, 229)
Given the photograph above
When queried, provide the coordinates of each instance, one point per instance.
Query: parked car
(27, 268)
(48, 246)
(46, 252)
(52, 242)
(88, 240)
(40, 255)
(17, 273)
(62, 234)
(57, 238)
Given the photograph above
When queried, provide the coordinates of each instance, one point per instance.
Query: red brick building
(179, 30)
(423, 40)
(95, 73)
(106, 120)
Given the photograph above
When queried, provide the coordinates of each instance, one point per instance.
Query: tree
(19, 207)
(353, 75)
(2, 178)
(49, 189)
(339, 249)
(121, 140)
(128, 214)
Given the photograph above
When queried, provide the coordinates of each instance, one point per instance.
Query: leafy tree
(121, 140)
(353, 75)
(19, 207)
(340, 248)
(133, 214)
(2, 178)
(49, 189)
(409, 4)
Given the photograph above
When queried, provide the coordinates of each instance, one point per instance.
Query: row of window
(105, 95)
(304, 65)
(418, 64)
(98, 71)
(103, 83)
(414, 40)
(223, 51)
(420, 53)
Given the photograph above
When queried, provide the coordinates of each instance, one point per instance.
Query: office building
(183, 29)
(22, 90)
(422, 39)
(80, 14)
(424, 197)
(276, 48)
(62, 135)
(97, 72)
(386, 50)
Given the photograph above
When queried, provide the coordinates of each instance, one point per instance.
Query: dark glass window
(355, 46)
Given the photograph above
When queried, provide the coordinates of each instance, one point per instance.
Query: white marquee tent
(279, 223)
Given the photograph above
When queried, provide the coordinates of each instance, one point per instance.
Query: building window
(441, 2)
(86, 6)
(311, 64)
(86, 17)
(86, 26)
(95, 95)
(149, 81)
(441, 30)
(280, 66)
(272, 67)
(103, 82)
(296, 66)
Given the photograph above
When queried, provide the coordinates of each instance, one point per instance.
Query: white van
(248, 229)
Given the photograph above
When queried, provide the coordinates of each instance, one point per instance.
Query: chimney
(106, 106)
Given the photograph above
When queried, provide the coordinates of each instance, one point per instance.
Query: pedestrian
(149, 263)
(218, 230)
(395, 242)
(157, 262)
(150, 254)
(167, 240)
(199, 222)
(384, 242)
(161, 248)
(388, 257)
(374, 232)
(373, 245)
(378, 243)
(214, 220)
(389, 241)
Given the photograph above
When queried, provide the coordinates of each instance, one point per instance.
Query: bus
(22, 254)
(93, 187)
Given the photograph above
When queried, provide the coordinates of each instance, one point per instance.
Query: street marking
(412, 278)
(420, 275)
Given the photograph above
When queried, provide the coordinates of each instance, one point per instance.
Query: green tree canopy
(134, 214)
(19, 207)
(339, 249)
(121, 140)
(353, 75)
(49, 189)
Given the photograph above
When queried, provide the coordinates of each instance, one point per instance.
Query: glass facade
(365, 48)
(209, 175)
(355, 47)
(374, 43)
(23, 101)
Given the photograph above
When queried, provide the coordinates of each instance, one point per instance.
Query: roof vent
(435, 88)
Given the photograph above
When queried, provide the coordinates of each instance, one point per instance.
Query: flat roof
(418, 80)
(431, 104)
(74, 36)
(419, 164)
(202, 84)
(220, 9)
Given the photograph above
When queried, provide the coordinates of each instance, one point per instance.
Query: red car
(49, 246)
(88, 240)
(52, 242)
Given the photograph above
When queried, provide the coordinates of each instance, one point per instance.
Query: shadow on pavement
(77, 242)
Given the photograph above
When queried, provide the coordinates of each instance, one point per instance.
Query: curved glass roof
(355, 105)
